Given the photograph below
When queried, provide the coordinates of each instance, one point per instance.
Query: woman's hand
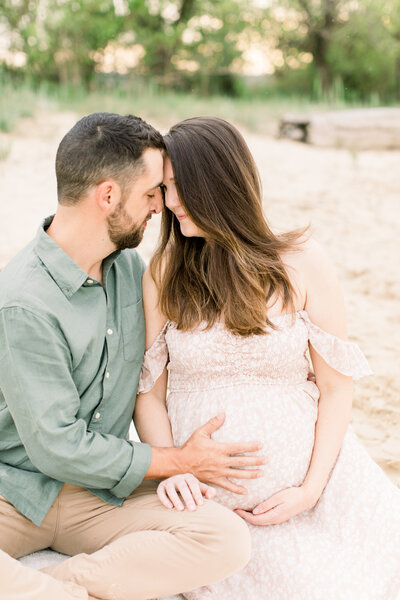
(280, 507)
(189, 487)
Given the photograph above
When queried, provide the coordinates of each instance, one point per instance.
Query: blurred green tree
(186, 42)
(59, 37)
(364, 51)
(192, 42)
(305, 27)
(345, 47)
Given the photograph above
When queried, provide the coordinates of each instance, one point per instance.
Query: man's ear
(107, 195)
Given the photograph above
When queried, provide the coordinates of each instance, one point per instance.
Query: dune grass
(254, 112)
(165, 108)
(19, 100)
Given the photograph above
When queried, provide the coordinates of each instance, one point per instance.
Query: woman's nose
(171, 199)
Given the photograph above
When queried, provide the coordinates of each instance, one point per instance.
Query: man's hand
(213, 462)
(280, 507)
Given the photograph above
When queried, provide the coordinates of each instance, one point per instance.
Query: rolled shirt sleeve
(38, 387)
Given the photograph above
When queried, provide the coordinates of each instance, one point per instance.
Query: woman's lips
(180, 217)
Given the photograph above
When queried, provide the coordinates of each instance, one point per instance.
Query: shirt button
(107, 375)
(89, 280)
(97, 416)
(110, 331)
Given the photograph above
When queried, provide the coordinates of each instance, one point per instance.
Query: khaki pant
(138, 551)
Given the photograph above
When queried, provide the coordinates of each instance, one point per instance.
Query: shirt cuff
(136, 471)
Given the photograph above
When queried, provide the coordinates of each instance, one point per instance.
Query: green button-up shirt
(70, 357)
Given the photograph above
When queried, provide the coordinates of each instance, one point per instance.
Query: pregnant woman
(235, 313)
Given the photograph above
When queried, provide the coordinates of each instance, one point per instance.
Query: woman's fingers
(206, 490)
(186, 493)
(247, 516)
(273, 517)
(197, 489)
(268, 504)
(161, 493)
(173, 496)
(183, 490)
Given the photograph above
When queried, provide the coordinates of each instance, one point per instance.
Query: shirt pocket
(133, 331)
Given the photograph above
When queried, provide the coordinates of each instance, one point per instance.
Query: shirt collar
(66, 273)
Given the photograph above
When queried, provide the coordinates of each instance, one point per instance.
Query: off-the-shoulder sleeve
(345, 357)
(154, 361)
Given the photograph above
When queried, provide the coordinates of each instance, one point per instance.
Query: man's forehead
(153, 156)
(152, 172)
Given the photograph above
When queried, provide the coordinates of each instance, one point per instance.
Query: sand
(352, 201)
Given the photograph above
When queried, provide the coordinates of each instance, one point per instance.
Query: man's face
(127, 223)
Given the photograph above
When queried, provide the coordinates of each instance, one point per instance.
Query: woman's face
(172, 201)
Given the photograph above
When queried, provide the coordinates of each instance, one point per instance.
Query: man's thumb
(213, 424)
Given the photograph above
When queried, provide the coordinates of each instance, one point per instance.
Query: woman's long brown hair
(235, 270)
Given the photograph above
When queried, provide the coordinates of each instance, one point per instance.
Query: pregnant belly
(282, 418)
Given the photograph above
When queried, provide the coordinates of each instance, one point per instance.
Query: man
(72, 343)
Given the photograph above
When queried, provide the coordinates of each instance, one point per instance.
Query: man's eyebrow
(153, 187)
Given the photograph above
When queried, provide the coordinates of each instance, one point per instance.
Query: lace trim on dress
(154, 361)
(345, 357)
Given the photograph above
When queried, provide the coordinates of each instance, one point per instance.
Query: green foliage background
(322, 49)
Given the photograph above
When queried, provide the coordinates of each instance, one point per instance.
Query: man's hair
(102, 146)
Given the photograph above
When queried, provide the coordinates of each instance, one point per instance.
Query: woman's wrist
(312, 491)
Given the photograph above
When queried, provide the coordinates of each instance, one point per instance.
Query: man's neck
(84, 240)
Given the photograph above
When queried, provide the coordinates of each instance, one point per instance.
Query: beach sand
(351, 200)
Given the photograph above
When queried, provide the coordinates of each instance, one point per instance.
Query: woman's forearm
(151, 421)
(334, 411)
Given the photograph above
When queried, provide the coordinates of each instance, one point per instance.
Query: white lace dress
(345, 548)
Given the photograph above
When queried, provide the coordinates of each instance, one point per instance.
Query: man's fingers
(212, 425)
(246, 461)
(230, 486)
(242, 447)
(243, 473)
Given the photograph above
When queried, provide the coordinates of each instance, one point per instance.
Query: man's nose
(158, 202)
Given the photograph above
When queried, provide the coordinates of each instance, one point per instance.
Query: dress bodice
(209, 358)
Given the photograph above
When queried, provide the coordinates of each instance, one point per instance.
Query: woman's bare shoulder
(306, 255)
(307, 264)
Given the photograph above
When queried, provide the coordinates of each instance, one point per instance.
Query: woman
(231, 309)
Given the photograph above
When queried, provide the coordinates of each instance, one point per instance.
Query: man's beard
(123, 232)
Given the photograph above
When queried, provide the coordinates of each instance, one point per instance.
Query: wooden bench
(355, 129)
